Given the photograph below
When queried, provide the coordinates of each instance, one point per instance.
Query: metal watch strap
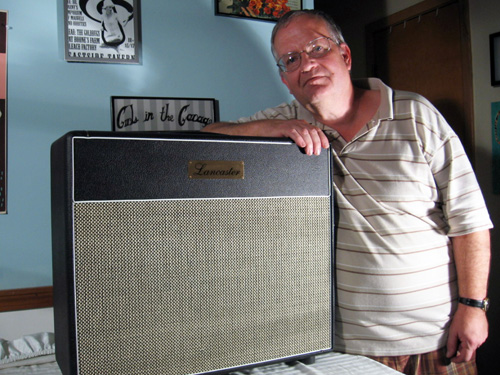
(482, 304)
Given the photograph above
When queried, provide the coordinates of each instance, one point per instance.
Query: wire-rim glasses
(316, 48)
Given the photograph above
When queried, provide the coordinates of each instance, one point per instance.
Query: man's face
(317, 79)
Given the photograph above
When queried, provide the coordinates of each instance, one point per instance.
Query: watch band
(483, 304)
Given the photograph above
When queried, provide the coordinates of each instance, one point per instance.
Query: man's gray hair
(334, 29)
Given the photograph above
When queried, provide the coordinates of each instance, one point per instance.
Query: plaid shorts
(433, 363)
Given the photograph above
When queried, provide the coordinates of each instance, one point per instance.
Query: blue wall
(187, 51)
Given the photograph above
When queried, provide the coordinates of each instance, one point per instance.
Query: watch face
(486, 304)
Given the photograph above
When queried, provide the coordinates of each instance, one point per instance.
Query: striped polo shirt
(403, 187)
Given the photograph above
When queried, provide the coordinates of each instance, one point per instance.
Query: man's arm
(469, 326)
(307, 136)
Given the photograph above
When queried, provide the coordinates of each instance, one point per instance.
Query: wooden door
(426, 49)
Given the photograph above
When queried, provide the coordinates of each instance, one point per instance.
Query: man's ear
(283, 79)
(345, 52)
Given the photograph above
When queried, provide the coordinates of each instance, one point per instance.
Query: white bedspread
(34, 354)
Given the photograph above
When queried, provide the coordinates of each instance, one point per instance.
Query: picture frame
(3, 111)
(102, 31)
(495, 58)
(269, 10)
(495, 146)
(162, 114)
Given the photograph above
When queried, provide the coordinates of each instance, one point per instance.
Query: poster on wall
(495, 59)
(495, 146)
(102, 31)
(269, 10)
(3, 112)
(162, 114)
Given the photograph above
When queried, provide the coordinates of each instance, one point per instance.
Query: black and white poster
(103, 31)
(162, 114)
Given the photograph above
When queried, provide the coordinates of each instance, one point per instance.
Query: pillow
(26, 347)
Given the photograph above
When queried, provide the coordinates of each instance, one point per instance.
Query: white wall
(15, 324)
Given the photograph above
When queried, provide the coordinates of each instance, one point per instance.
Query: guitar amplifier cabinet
(188, 253)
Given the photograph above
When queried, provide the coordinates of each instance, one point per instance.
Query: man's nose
(306, 61)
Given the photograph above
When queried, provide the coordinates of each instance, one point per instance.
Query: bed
(35, 354)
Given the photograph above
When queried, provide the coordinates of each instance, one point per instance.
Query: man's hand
(307, 136)
(468, 331)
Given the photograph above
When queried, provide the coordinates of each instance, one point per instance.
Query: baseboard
(26, 298)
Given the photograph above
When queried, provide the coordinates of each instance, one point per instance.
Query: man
(412, 245)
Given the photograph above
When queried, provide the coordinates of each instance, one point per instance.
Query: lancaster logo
(216, 169)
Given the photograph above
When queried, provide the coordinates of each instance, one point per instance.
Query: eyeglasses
(316, 48)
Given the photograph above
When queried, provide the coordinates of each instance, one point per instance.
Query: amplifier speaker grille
(162, 287)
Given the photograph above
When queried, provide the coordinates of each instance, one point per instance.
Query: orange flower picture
(260, 9)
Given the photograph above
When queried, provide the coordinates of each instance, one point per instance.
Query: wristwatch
(483, 304)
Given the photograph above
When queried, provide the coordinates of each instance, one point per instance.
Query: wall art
(102, 31)
(268, 10)
(495, 146)
(3, 112)
(162, 114)
(495, 59)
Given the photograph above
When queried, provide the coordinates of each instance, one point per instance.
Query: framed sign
(162, 114)
(495, 146)
(102, 31)
(495, 59)
(269, 10)
(3, 112)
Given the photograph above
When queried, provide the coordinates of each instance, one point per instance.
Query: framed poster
(495, 59)
(495, 146)
(3, 112)
(162, 114)
(268, 10)
(102, 31)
